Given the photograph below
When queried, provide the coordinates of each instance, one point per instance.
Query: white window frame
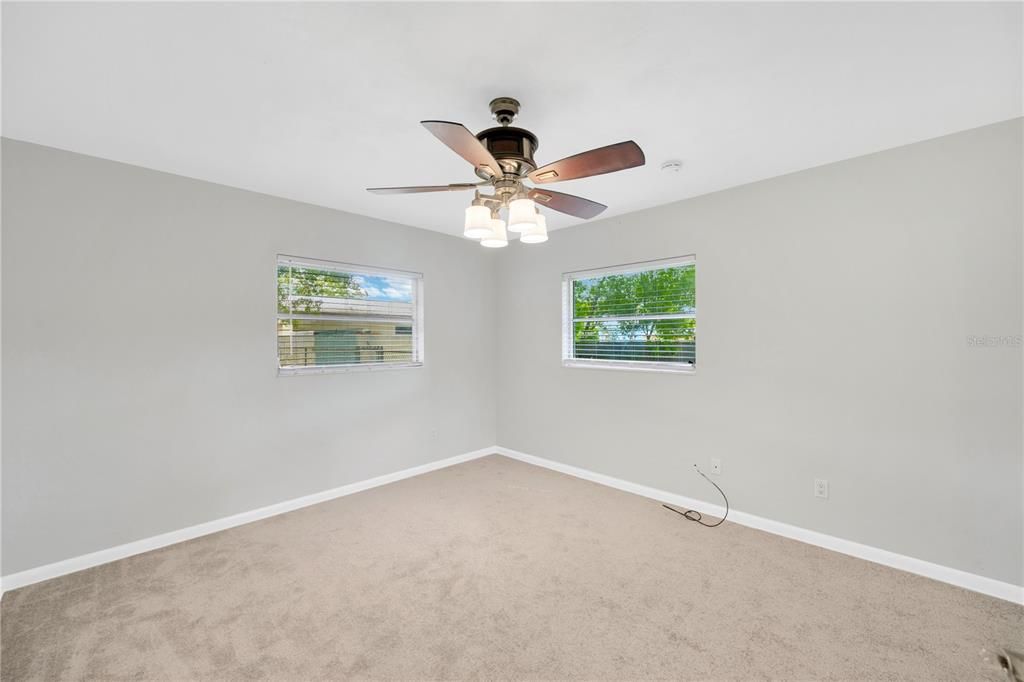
(352, 268)
(568, 360)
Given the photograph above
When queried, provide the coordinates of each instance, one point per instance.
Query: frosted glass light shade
(537, 233)
(498, 237)
(522, 213)
(478, 222)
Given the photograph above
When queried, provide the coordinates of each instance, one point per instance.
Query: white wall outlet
(716, 465)
(820, 487)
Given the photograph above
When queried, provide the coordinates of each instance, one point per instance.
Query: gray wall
(140, 392)
(834, 310)
(835, 307)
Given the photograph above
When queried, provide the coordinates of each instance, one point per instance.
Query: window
(640, 316)
(335, 316)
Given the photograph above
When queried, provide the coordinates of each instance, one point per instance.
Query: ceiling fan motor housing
(512, 147)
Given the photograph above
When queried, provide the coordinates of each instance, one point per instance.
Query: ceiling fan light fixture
(478, 222)
(498, 237)
(522, 214)
(503, 159)
(536, 234)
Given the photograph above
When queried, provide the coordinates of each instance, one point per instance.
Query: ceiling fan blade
(614, 157)
(424, 188)
(567, 203)
(465, 144)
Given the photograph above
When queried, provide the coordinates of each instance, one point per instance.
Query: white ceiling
(315, 102)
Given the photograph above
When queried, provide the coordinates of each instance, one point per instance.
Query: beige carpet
(500, 570)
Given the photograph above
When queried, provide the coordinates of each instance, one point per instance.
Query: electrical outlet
(433, 434)
(820, 487)
(716, 465)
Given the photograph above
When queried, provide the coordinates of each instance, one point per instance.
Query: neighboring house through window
(336, 316)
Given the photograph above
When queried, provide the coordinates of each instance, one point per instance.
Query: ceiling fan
(502, 158)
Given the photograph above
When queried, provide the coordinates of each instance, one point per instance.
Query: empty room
(518, 341)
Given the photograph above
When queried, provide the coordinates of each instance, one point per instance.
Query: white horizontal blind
(336, 316)
(642, 315)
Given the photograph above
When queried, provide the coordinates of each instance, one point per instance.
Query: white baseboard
(970, 581)
(78, 563)
(953, 576)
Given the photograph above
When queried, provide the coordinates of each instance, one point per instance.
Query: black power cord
(694, 515)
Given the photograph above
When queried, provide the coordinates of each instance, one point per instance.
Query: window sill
(343, 369)
(625, 365)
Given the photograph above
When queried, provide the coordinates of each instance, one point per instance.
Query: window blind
(642, 316)
(337, 316)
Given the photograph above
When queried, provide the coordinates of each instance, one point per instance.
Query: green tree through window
(302, 290)
(643, 316)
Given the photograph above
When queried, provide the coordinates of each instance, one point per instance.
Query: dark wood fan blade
(614, 157)
(465, 144)
(425, 188)
(567, 203)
